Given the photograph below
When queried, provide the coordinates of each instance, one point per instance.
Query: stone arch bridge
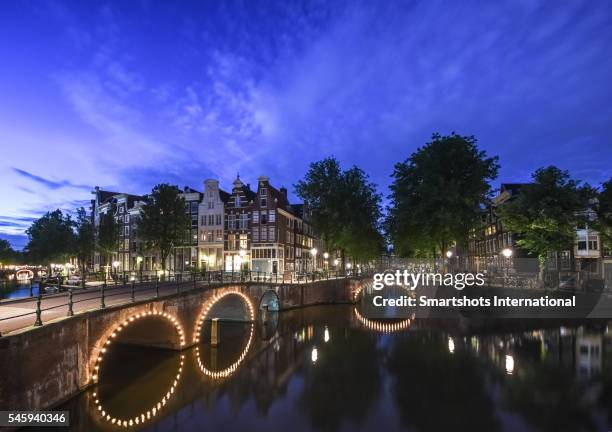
(45, 365)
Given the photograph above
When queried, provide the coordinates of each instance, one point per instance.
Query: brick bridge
(43, 366)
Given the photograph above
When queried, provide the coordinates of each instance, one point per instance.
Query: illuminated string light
(129, 321)
(144, 416)
(230, 369)
(384, 327)
(212, 302)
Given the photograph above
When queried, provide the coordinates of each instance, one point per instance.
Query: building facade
(237, 224)
(185, 258)
(211, 226)
(123, 206)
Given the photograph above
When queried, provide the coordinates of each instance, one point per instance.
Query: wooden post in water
(214, 332)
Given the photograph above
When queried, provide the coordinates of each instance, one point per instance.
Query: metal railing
(161, 285)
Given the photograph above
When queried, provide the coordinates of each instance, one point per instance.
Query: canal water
(329, 369)
(14, 290)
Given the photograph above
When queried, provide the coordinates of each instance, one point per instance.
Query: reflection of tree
(436, 390)
(343, 383)
(549, 398)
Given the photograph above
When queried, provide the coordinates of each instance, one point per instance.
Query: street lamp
(139, 264)
(336, 261)
(507, 253)
(314, 252)
(115, 266)
(241, 254)
(325, 255)
(449, 254)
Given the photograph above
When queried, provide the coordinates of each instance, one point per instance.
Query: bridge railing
(73, 299)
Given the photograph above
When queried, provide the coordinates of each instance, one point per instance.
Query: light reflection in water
(385, 327)
(324, 370)
(228, 371)
(145, 415)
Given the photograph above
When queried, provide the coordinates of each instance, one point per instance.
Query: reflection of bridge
(60, 358)
(383, 326)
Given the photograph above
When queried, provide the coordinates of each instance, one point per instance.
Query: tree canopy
(603, 210)
(437, 194)
(546, 212)
(51, 238)
(344, 208)
(164, 220)
(7, 254)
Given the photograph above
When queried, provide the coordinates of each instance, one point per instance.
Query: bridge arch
(214, 300)
(110, 336)
(271, 299)
(24, 274)
(144, 416)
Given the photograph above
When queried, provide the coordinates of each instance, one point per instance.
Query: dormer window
(263, 192)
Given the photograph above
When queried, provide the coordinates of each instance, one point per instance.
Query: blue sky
(131, 93)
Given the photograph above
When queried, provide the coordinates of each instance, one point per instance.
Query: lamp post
(241, 254)
(507, 253)
(115, 266)
(313, 253)
(139, 264)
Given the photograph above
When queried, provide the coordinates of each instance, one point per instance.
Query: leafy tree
(345, 208)
(360, 234)
(163, 220)
(546, 212)
(603, 210)
(51, 238)
(7, 254)
(437, 194)
(109, 236)
(85, 241)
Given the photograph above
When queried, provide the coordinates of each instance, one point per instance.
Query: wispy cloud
(49, 183)
(132, 95)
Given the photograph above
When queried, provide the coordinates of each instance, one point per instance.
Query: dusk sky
(128, 94)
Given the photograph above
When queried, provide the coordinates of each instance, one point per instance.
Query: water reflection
(212, 371)
(324, 369)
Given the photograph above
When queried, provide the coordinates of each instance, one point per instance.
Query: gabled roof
(224, 196)
(108, 196)
(281, 198)
(248, 193)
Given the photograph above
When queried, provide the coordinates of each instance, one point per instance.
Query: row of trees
(437, 197)
(439, 193)
(56, 237)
